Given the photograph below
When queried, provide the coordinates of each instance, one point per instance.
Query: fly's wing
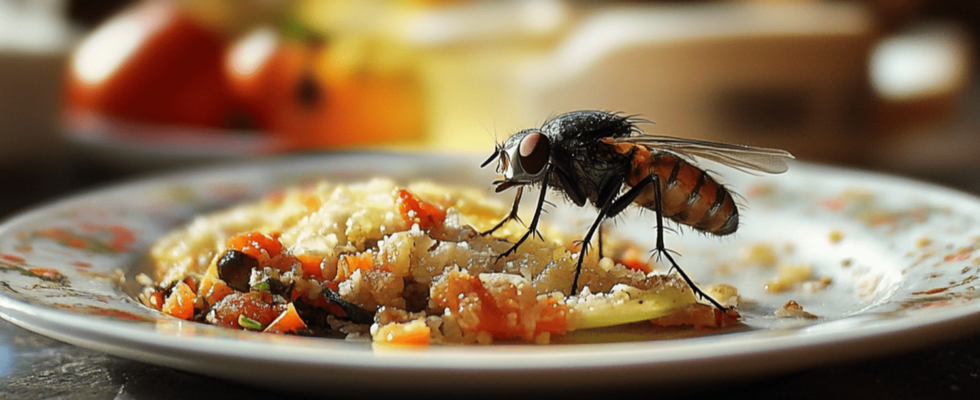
(743, 158)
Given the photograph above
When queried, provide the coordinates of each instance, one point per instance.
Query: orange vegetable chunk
(415, 210)
(252, 243)
(288, 321)
(180, 303)
(412, 333)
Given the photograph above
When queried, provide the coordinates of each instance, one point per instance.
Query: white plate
(909, 282)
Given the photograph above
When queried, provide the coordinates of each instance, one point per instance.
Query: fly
(605, 160)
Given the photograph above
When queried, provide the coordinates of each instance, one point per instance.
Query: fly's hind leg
(661, 250)
(611, 207)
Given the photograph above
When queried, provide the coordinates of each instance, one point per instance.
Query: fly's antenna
(496, 141)
(497, 146)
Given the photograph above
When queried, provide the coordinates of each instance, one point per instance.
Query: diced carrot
(288, 321)
(413, 333)
(633, 259)
(216, 291)
(190, 283)
(180, 303)
(311, 266)
(415, 210)
(252, 243)
(352, 262)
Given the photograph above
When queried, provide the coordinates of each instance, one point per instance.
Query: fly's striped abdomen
(690, 196)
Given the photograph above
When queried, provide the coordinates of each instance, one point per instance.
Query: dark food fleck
(235, 268)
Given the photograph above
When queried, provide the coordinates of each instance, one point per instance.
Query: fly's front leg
(533, 228)
(512, 215)
(661, 250)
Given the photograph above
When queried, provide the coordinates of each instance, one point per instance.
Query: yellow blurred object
(463, 55)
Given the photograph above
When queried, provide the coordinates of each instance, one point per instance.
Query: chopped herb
(248, 323)
(261, 286)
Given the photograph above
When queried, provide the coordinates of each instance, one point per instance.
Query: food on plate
(405, 265)
(792, 309)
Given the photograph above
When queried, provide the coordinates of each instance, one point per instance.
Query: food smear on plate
(792, 309)
(406, 265)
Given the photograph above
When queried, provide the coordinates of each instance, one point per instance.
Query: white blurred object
(34, 40)
(33, 25)
(925, 61)
(930, 103)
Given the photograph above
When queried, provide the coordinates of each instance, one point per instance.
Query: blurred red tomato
(152, 63)
(253, 66)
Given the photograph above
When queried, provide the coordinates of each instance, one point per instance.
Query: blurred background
(97, 90)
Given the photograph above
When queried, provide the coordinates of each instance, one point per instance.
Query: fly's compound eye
(534, 152)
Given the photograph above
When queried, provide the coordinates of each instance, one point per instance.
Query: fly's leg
(599, 240)
(611, 207)
(661, 250)
(533, 228)
(512, 215)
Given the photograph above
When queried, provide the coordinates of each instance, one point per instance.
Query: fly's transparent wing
(743, 158)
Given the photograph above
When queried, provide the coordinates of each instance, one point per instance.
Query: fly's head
(522, 159)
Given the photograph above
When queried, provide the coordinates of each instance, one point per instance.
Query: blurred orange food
(156, 63)
(294, 90)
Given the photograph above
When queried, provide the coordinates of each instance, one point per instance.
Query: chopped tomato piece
(252, 306)
(504, 311)
(553, 316)
(311, 266)
(252, 243)
(415, 210)
(633, 259)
